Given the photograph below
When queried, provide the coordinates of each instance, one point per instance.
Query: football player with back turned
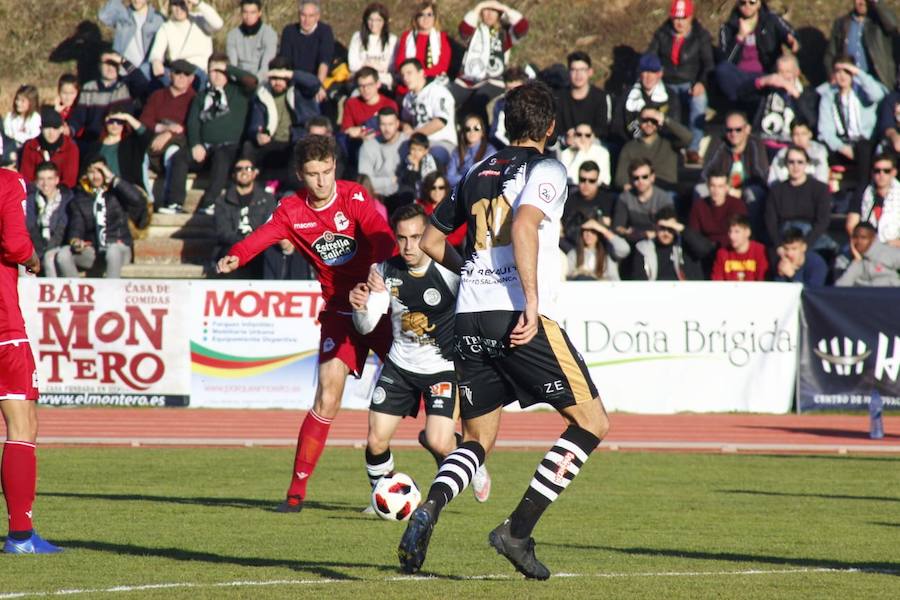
(508, 343)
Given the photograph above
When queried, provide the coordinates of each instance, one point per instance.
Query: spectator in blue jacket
(135, 26)
(798, 263)
(848, 111)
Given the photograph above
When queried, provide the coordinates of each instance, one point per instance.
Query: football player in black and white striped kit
(509, 345)
(421, 298)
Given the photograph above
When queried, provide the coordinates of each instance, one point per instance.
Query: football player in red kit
(18, 374)
(336, 226)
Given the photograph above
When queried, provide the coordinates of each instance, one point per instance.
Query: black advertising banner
(849, 347)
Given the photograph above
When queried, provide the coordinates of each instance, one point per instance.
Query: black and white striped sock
(455, 473)
(553, 475)
(378, 465)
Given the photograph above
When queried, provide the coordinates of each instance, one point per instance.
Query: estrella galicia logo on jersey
(378, 395)
(340, 221)
(432, 297)
(547, 192)
(334, 249)
(443, 389)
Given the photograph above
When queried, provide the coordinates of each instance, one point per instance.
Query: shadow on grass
(883, 568)
(323, 569)
(883, 524)
(858, 434)
(266, 505)
(801, 495)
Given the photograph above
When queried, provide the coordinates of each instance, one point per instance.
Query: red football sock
(18, 473)
(310, 444)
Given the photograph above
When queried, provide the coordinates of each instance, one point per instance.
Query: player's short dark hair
(530, 111)
(637, 163)
(792, 236)
(578, 56)
(412, 61)
(739, 221)
(258, 3)
(794, 148)
(93, 160)
(718, 173)
(419, 139)
(867, 226)
(406, 212)
(315, 147)
(365, 72)
(387, 111)
(46, 166)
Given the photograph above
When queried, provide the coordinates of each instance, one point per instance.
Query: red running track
(706, 432)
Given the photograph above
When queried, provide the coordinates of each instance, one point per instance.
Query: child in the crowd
(23, 122)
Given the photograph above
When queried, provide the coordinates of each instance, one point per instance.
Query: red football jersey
(15, 249)
(341, 239)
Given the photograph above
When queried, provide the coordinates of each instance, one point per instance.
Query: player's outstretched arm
(525, 247)
(370, 301)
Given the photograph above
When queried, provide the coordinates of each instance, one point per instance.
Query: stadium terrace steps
(175, 246)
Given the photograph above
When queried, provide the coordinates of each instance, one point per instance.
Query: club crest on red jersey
(334, 249)
(341, 222)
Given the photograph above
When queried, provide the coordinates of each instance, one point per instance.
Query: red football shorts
(18, 374)
(340, 339)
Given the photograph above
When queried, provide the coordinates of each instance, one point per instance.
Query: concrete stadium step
(162, 271)
(173, 251)
(183, 226)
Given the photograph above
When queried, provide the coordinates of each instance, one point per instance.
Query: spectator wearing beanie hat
(649, 91)
(685, 50)
(52, 145)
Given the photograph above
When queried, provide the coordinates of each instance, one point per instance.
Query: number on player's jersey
(494, 218)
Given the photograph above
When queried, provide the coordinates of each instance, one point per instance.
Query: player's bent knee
(591, 417)
(376, 444)
(442, 444)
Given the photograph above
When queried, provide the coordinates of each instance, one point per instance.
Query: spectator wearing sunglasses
(649, 91)
(244, 207)
(879, 202)
(472, 147)
(660, 136)
(637, 208)
(425, 42)
(436, 189)
(111, 92)
(743, 156)
(802, 202)
(585, 147)
(123, 145)
(750, 42)
(848, 111)
(587, 201)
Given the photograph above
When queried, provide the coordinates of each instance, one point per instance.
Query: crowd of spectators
(719, 160)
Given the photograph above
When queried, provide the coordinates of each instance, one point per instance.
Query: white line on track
(424, 578)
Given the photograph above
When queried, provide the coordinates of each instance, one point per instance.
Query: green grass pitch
(198, 523)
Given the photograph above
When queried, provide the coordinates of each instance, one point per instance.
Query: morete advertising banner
(687, 346)
(850, 347)
(255, 344)
(104, 342)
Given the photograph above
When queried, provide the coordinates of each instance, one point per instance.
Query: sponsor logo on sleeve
(547, 192)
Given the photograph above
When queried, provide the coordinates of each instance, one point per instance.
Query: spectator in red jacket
(424, 41)
(744, 259)
(359, 120)
(53, 146)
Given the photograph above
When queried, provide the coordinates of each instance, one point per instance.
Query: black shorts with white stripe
(491, 373)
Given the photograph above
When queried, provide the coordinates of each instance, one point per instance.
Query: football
(395, 497)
